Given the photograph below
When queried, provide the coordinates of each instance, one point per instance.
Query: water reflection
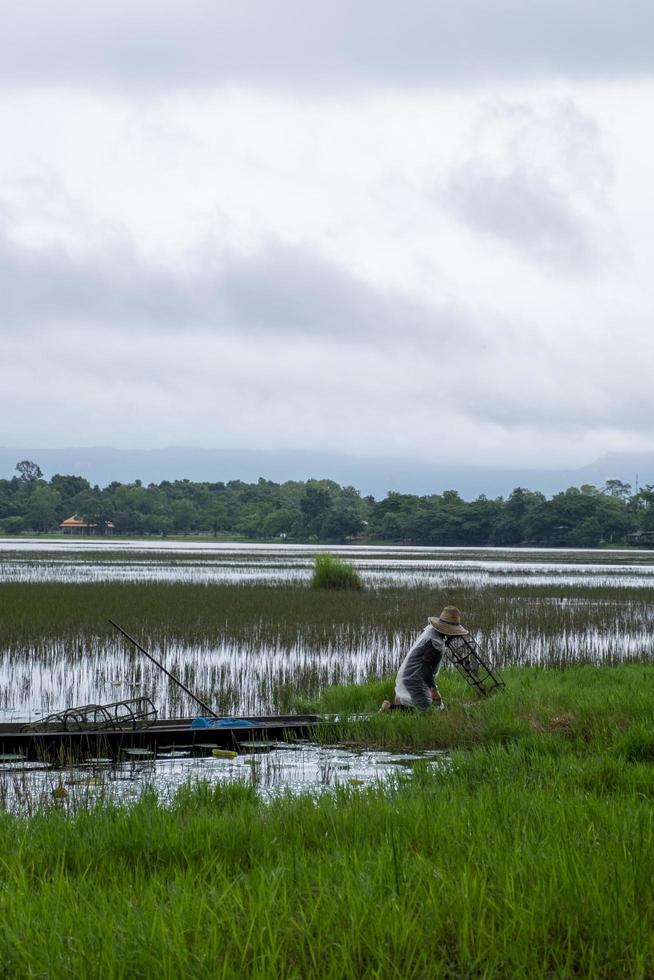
(282, 768)
(166, 547)
(438, 569)
(235, 680)
(39, 682)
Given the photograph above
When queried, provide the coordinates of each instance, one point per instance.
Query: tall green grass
(532, 855)
(609, 708)
(513, 863)
(332, 572)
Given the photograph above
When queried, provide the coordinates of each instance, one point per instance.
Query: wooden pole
(205, 707)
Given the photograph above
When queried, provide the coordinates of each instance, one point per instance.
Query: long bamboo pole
(205, 707)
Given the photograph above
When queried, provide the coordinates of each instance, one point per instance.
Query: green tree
(618, 489)
(641, 508)
(315, 505)
(588, 534)
(69, 486)
(512, 525)
(341, 521)
(184, 516)
(391, 518)
(280, 522)
(29, 471)
(41, 513)
(13, 525)
(93, 508)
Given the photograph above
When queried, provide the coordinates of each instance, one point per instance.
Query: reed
(332, 572)
(253, 648)
(518, 622)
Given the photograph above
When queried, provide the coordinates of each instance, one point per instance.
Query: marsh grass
(610, 708)
(519, 624)
(332, 572)
(512, 863)
(253, 648)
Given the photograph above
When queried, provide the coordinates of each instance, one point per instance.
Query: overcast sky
(422, 229)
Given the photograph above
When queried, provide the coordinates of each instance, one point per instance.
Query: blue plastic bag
(221, 723)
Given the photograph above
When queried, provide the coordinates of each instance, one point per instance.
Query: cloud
(399, 273)
(256, 361)
(536, 179)
(527, 213)
(309, 43)
(277, 291)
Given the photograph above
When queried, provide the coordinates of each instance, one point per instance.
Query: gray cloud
(160, 43)
(538, 179)
(541, 401)
(286, 349)
(279, 291)
(528, 213)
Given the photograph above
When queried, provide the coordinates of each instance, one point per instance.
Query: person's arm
(431, 663)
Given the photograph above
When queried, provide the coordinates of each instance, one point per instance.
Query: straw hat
(449, 622)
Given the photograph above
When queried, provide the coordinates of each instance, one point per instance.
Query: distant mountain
(376, 475)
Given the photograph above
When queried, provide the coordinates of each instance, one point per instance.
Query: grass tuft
(637, 744)
(332, 572)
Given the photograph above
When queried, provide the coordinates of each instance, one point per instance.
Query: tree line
(323, 511)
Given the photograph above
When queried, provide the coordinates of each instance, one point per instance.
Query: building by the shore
(77, 525)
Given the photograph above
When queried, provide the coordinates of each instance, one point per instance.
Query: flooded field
(238, 626)
(232, 679)
(261, 677)
(70, 561)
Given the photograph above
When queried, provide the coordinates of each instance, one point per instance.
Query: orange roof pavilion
(76, 525)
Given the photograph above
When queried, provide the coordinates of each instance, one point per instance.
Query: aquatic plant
(332, 572)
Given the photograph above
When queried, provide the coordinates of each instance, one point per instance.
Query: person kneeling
(415, 684)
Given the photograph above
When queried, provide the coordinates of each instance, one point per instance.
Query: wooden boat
(127, 729)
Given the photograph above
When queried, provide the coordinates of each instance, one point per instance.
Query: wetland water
(287, 767)
(526, 606)
(70, 561)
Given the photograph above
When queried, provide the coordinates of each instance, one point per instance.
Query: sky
(418, 229)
